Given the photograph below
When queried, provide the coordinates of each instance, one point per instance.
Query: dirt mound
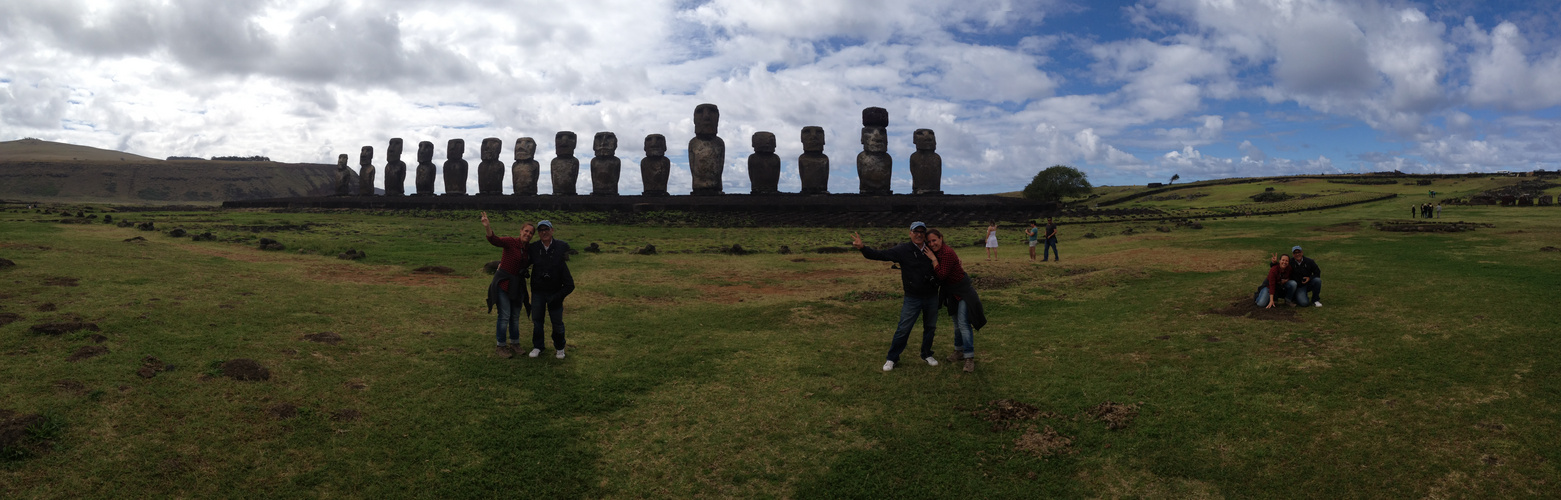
(7, 263)
(435, 270)
(993, 282)
(832, 250)
(1115, 415)
(1342, 227)
(47, 307)
(60, 281)
(1006, 414)
(8, 318)
(178, 232)
(150, 366)
(1550, 249)
(491, 267)
(272, 245)
(137, 239)
(346, 415)
(1246, 308)
(26, 436)
(1430, 227)
(282, 411)
(245, 369)
(63, 328)
(865, 296)
(1042, 444)
(87, 351)
(323, 337)
(70, 385)
(351, 254)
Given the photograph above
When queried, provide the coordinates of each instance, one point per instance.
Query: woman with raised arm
(508, 288)
(956, 291)
(1278, 282)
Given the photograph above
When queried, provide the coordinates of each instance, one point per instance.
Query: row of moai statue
(706, 159)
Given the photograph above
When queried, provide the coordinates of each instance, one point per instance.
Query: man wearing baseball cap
(921, 291)
(1308, 278)
(550, 283)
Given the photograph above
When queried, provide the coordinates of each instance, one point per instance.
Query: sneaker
(1317, 304)
(559, 354)
(534, 353)
(970, 365)
(888, 365)
(931, 361)
(503, 352)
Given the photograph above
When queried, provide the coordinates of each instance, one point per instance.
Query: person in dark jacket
(550, 283)
(508, 288)
(1308, 279)
(921, 292)
(958, 293)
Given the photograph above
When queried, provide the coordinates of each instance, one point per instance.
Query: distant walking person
(1051, 242)
(550, 283)
(1308, 279)
(1032, 235)
(991, 242)
(1412, 209)
(508, 288)
(921, 292)
(1438, 210)
(956, 292)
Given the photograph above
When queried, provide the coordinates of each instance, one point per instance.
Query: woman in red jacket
(956, 291)
(1278, 279)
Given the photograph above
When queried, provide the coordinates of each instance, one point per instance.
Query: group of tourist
(932, 277)
(1427, 210)
(1294, 278)
(545, 263)
(1032, 235)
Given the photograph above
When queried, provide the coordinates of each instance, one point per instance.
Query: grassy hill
(31, 169)
(39, 150)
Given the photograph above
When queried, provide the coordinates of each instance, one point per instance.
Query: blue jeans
(927, 307)
(1313, 287)
(1050, 250)
(1287, 291)
(509, 318)
(552, 304)
(964, 338)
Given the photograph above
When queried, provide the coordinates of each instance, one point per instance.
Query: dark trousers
(552, 304)
(927, 308)
(1050, 250)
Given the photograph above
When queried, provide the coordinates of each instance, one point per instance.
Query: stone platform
(832, 203)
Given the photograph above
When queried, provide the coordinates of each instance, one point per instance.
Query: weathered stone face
(393, 153)
(655, 145)
(565, 168)
(490, 148)
(343, 176)
(424, 180)
(395, 169)
(875, 140)
(707, 118)
(813, 139)
(366, 171)
(455, 149)
(455, 168)
(925, 140)
(525, 149)
(564, 143)
(366, 155)
(490, 173)
(341, 162)
(764, 142)
(605, 144)
(425, 152)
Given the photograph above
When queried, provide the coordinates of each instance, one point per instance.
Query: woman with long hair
(991, 241)
(1277, 284)
(956, 291)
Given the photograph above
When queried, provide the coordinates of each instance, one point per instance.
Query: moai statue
(873, 164)
(344, 186)
(706, 151)
(455, 168)
(763, 165)
(424, 182)
(926, 165)
(605, 167)
(490, 173)
(395, 170)
(813, 165)
(526, 170)
(565, 167)
(655, 167)
(366, 171)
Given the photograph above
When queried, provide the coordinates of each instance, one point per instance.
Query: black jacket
(966, 292)
(550, 267)
(1306, 268)
(517, 290)
(916, 273)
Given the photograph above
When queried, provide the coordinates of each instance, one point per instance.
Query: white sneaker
(888, 365)
(1317, 304)
(534, 353)
(559, 354)
(931, 361)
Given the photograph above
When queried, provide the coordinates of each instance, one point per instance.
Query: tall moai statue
(655, 168)
(395, 170)
(565, 167)
(706, 151)
(424, 182)
(605, 167)
(926, 165)
(490, 173)
(455, 168)
(366, 171)
(873, 164)
(344, 185)
(763, 165)
(813, 165)
(525, 170)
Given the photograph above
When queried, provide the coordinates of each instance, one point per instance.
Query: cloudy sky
(1128, 92)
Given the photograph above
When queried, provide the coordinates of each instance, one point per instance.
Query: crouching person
(1278, 283)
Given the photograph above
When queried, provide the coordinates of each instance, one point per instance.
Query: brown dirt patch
(150, 367)
(47, 307)
(97, 338)
(376, 275)
(1006, 414)
(61, 281)
(1549, 249)
(346, 415)
(1042, 444)
(245, 369)
(1342, 227)
(70, 385)
(323, 337)
(1246, 308)
(435, 270)
(8, 318)
(137, 239)
(989, 282)
(63, 328)
(1176, 259)
(244, 255)
(14, 435)
(282, 411)
(87, 351)
(865, 296)
(1115, 415)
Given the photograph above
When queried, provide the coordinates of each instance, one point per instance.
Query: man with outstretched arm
(508, 288)
(1308, 278)
(921, 292)
(550, 283)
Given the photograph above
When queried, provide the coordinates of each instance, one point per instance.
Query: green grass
(692, 373)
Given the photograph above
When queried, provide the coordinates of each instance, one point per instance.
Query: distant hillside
(38, 150)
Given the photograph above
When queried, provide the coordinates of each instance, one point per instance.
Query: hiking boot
(503, 352)
(955, 357)
(516, 348)
(970, 365)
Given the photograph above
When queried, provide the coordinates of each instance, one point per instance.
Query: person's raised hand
(856, 240)
(485, 219)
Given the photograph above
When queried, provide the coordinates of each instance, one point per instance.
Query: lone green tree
(1058, 182)
(1174, 178)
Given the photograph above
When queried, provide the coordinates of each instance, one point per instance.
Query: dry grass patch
(1175, 259)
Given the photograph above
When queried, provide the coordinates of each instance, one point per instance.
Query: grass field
(1429, 373)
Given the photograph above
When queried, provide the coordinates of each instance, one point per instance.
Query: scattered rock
(434, 270)
(178, 232)
(282, 411)
(1090, 235)
(108, 219)
(323, 337)
(63, 328)
(1162, 229)
(137, 239)
(351, 254)
(1550, 249)
(832, 249)
(593, 248)
(1115, 415)
(7, 264)
(1042, 444)
(736, 249)
(245, 369)
(47, 307)
(1128, 231)
(784, 250)
(87, 351)
(648, 249)
(146, 226)
(346, 415)
(272, 245)
(491, 267)
(205, 236)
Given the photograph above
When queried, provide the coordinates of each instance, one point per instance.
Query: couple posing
(1297, 279)
(545, 262)
(932, 276)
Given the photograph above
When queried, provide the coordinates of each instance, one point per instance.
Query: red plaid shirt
(949, 270)
(514, 258)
